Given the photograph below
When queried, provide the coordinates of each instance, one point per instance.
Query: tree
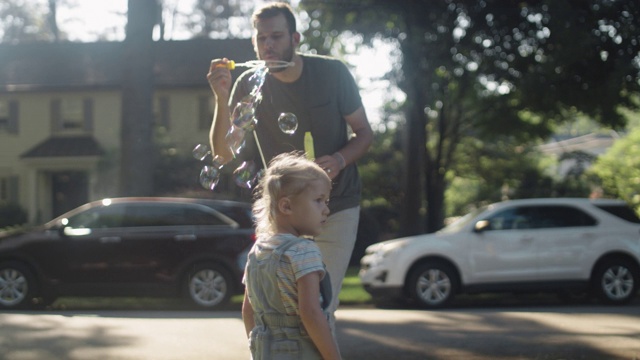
(22, 21)
(218, 19)
(485, 69)
(619, 168)
(136, 171)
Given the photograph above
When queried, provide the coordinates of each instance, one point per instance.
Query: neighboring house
(590, 144)
(60, 115)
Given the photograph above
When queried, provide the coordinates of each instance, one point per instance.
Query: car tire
(18, 286)
(615, 281)
(433, 284)
(208, 286)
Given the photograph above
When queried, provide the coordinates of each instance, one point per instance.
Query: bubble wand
(272, 64)
(264, 162)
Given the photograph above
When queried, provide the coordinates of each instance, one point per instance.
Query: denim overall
(276, 335)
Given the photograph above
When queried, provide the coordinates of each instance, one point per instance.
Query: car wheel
(433, 284)
(616, 281)
(209, 286)
(17, 286)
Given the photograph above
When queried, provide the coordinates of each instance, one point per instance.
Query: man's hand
(219, 78)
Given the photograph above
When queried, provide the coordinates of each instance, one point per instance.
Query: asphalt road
(465, 332)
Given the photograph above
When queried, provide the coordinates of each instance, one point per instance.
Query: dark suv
(130, 247)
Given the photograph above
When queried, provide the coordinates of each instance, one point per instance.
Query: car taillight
(253, 237)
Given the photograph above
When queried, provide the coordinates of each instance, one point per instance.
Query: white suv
(514, 246)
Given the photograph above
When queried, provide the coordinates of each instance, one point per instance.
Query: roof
(591, 143)
(43, 66)
(65, 146)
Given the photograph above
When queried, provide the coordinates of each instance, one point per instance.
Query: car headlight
(377, 253)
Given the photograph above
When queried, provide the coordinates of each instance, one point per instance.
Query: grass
(352, 294)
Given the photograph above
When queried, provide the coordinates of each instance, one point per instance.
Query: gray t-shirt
(320, 98)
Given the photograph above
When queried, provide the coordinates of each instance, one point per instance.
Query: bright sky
(89, 18)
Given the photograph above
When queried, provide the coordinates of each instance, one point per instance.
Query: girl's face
(306, 212)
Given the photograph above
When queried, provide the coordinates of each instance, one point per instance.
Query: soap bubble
(210, 175)
(256, 80)
(245, 175)
(235, 139)
(201, 152)
(288, 123)
(244, 115)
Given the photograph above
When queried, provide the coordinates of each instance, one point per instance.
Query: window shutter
(14, 116)
(14, 187)
(56, 116)
(87, 109)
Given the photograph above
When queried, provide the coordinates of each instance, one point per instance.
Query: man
(323, 95)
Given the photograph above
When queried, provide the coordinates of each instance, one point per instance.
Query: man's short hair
(272, 10)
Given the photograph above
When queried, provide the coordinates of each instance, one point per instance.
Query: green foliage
(619, 168)
(23, 21)
(493, 68)
(381, 171)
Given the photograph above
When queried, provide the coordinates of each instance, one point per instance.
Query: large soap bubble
(201, 152)
(210, 174)
(245, 175)
(288, 123)
(244, 114)
(235, 139)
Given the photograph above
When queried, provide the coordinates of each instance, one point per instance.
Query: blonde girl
(283, 303)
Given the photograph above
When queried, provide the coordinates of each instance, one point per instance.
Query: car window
(621, 211)
(168, 215)
(540, 217)
(99, 217)
(559, 216)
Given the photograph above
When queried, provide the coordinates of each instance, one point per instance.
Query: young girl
(282, 309)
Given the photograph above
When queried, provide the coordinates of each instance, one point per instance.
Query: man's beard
(288, 56)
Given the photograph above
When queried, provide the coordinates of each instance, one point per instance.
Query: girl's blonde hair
(287, 174)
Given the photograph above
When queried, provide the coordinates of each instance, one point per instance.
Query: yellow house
(60, 115)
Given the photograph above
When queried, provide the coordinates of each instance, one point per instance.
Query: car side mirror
(481, 226)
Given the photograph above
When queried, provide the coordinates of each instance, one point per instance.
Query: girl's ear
(284, 205)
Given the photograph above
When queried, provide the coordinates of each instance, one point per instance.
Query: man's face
(272, 40)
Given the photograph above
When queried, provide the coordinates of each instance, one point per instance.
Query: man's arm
(219, 78)
(356, 147)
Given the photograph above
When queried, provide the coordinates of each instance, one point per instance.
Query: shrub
(12, 214)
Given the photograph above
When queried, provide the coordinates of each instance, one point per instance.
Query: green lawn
(352, 294)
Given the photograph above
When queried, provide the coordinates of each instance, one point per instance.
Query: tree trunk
(137, 157)
(415, 139)
(53, 20)
(434, 190)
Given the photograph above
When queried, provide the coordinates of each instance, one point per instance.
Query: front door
(69, 190)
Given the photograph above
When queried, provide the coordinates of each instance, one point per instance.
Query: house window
(205, 112)
(9, 189)
(8, 116)
(72, 115)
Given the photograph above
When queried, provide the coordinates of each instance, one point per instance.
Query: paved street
(532, 332)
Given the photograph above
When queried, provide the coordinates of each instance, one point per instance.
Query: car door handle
(110, 239)
(185, 237)
(526, 238)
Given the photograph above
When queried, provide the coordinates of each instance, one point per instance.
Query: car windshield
(460, 223)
